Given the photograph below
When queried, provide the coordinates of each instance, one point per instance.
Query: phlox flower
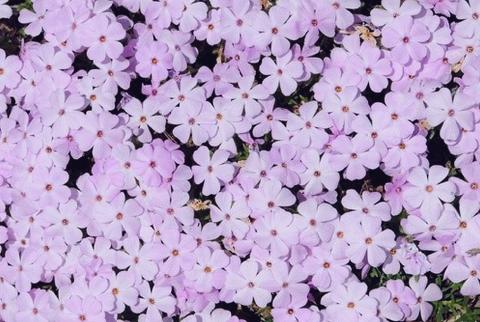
(427, 191)
(425, 293)
(283, 73)
(250, 284)
(102, 37)
(153, 60)
(455, 113)
(355, 155)
(405, 34)
(366, 204)
(351, 302)
(367, 241)
(212, 171)
(393, 9)
(465, 270)
(209, 271)
(155, 301)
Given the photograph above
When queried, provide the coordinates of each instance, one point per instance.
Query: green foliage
(382, 278)
(243, 153)
(26, 4)
(454, 307)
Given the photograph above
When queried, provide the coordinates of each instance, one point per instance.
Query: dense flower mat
(239, 160)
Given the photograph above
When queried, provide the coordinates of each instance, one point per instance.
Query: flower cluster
(165, 159)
